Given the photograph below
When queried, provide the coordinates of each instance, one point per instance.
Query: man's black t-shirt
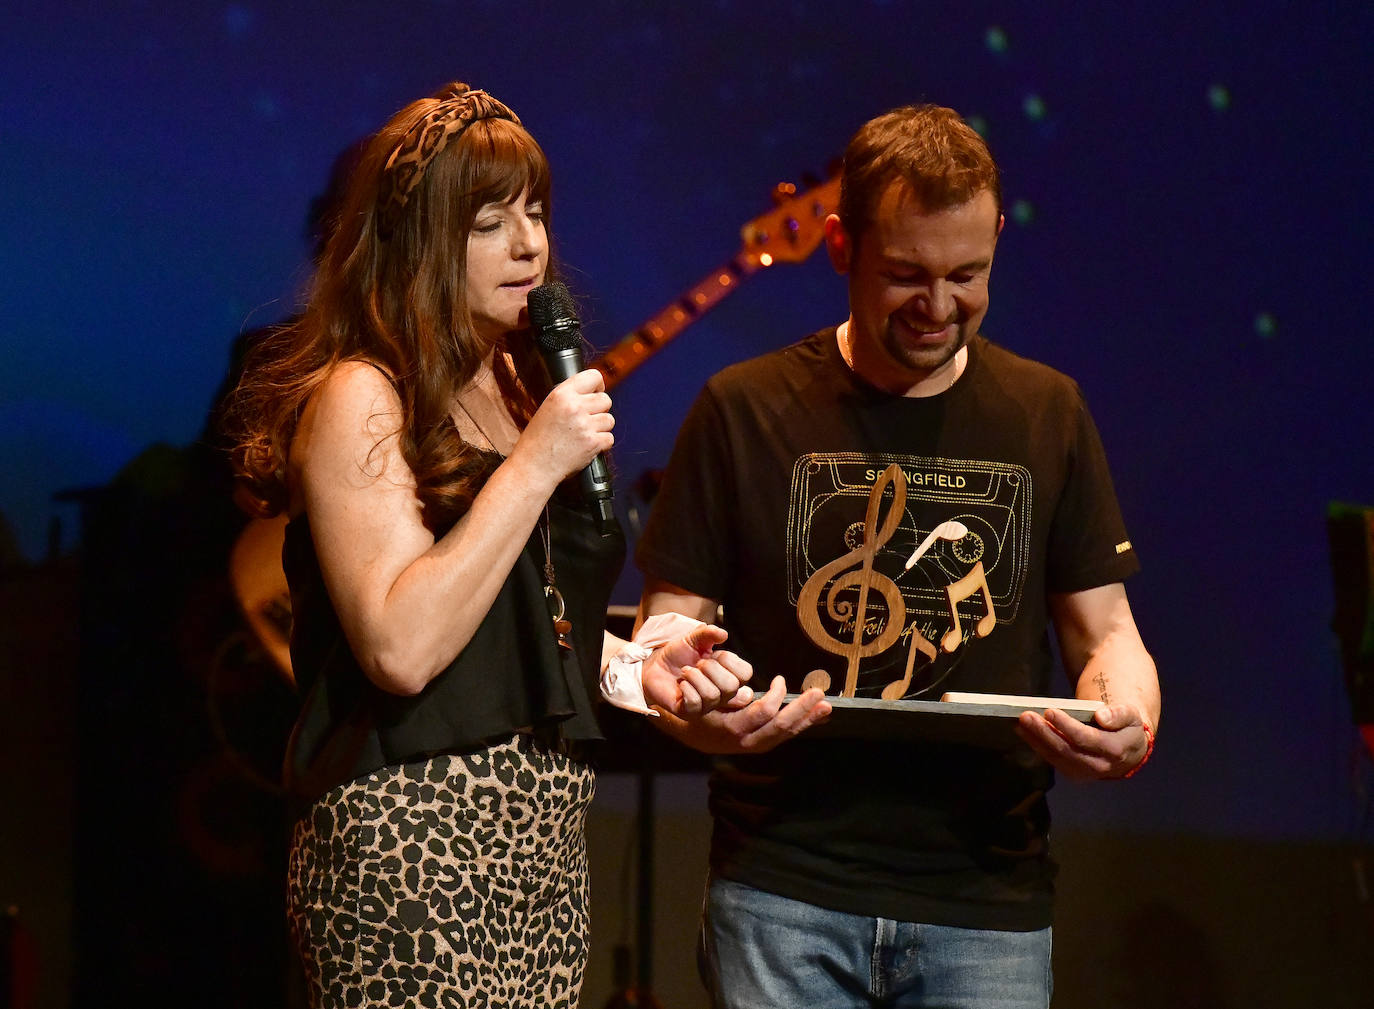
(796, 495)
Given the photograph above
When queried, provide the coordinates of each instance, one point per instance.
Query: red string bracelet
(1149, 749)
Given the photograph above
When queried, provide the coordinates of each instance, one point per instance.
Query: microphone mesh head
(553, 314)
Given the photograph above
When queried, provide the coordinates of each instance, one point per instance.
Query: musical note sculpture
(832, 583)
(839, 579)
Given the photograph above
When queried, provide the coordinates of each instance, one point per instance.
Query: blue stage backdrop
(1188, 235)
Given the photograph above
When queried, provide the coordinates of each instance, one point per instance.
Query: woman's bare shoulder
(355, 397)
(349, 424)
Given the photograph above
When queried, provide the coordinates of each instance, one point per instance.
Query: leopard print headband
(459, 107)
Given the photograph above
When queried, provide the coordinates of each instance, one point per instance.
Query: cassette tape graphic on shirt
(895, 562)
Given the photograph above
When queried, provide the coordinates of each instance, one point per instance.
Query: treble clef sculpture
(836, 578)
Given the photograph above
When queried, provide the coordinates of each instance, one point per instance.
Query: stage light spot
(979, 125)
(1219, 97)
(1034, 107)
(1023, 212)
(1266, 326)
(238, 19)
(266, 107)
(995, 39)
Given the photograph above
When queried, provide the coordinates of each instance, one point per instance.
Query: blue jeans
(762, 951)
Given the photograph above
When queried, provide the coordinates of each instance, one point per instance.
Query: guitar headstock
(788, 233)
(792, 230)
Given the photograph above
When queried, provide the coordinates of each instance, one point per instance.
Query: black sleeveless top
(512, 675)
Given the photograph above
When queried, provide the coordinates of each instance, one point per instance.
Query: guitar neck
(637, 347)
(787, 234)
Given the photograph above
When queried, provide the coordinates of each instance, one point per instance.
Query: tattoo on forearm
(1101, 680)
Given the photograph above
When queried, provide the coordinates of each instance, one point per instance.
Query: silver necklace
(553, 599)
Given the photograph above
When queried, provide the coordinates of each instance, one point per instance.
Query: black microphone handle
(562, 364)
(595, 477)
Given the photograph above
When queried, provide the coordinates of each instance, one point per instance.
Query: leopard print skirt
(457, 881)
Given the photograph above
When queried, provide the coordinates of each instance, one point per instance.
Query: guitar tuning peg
(783, 192)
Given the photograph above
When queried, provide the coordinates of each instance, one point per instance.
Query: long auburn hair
(395, 298)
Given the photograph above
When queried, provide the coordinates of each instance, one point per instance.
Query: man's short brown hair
(939, 156)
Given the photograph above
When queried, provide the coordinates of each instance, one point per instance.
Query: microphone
(558, 334)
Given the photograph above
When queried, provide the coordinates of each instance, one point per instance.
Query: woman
(448, 596)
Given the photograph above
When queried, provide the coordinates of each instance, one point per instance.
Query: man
(903, 506)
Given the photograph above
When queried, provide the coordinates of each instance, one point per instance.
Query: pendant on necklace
(562, 627)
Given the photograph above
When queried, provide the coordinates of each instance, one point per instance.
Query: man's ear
(1001, 223)
(837, 244)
